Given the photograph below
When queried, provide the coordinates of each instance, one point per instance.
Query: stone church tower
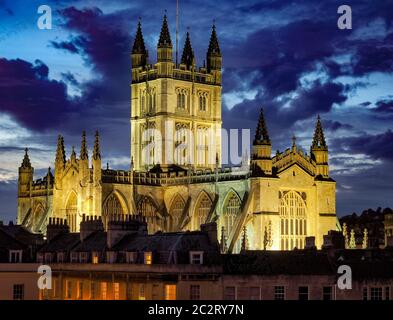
(172, 104)
(176, 180)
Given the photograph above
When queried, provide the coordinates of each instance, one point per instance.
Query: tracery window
(202, 210)
(231, 211)
(175, 212)
(147, 209)
(293, 221)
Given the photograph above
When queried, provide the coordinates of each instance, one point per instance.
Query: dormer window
(131, 257)
(83, 257)
(148, 257)
(111, 257)
(48, 257)
(196, 257)
(15, 256)
(74, 257)
(95, 258)
(60, 257)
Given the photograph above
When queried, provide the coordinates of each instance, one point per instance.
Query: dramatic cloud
(27, 94)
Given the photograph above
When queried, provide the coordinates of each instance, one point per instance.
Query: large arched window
(293, 220)
(71, 212)
(112, 206)
(230, 212)
(175, 213)
(202, 210)
(148, 209)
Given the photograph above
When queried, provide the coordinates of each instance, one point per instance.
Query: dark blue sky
(288, 56)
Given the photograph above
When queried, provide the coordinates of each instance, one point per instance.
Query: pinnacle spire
(188, 54)
(319, 138)
(214, 47)
(26, 160)
(165, 37)
(84, 154)
(244, 240)
(139, 43)
(261, 134)
(73, 154)
(96, 149)
(60, 151)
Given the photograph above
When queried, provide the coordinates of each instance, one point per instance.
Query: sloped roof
(62, 242)
(279, 263)
(179, 241)
(94, 242)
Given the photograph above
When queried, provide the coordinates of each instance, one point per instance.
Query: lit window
(170, 292)
(195, 292)
(376, 293)
(92, 290)
(80, 290)
(303, 293)
(141, 295)
(116, 291)
(279, 293)
(18, 292)
(104, 290)
(68, 289)
(148, 258)
(95, 259)
(196, 257)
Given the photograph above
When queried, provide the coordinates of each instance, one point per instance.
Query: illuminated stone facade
(274, 202)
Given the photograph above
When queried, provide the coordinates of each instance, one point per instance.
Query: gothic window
(181, 100)
(142, 104)
(148, 143)
(202, 210)
(147, 209)
(202, 103)
(37, 216)
(293, 224)
(175, 212)
(71, 212)
(111, 206)
(230, 212)
(202, 146)
(181, 139)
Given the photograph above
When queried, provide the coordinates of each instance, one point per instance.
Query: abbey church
(270, 202)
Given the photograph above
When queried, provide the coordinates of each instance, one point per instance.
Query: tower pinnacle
(26, 160)
(84, 154)
(96, 149)
(319, 138)
(188, 54)
(262, 135)
(165, 37)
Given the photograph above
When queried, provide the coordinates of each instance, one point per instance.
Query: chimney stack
(55, 227)
(89, 225)
(211, 230)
